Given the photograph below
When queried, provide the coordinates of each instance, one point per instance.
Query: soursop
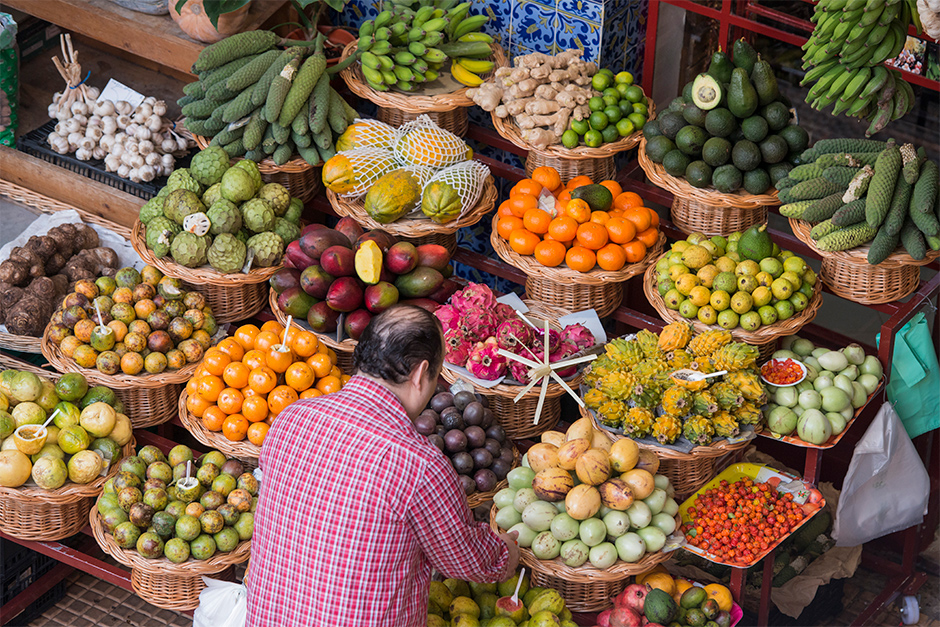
(225, 217)
(294, 210)
(209, 165)
(258, 215)
(227, 253)
(160, 234)
(183, 179)
(267, 247)
(287, 230)
(212, 194)
(278, 195)
(251, 168)
(237, 185)
(189, 250)
(181, 203)
(243, 236)
(152, 209)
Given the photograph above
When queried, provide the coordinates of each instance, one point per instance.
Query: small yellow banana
(464, 76)
(477, 66)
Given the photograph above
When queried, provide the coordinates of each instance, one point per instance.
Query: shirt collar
(379, 395)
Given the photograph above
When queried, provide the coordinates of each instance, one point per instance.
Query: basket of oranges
(577, 242)
(244, 382)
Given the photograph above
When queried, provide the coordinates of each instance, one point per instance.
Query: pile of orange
(567, 231)
(246, 380)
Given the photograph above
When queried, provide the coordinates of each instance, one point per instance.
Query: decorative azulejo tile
(633, 61)
(590, 10)
(575, 32)
(357, 12)
(533, 25)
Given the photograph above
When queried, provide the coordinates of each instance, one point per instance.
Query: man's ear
(420, 373)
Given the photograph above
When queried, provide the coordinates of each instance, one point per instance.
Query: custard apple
(153, 208)
(287, 230)
(160, 233)
(251, 168)
(227, 254)
(294, 210)
(163, 192)
(243, 236)
(258, 215)
(209, 165)
(268, 248)
(225, 217)
(278, 195)
(237, 185)
(181, 203)
(183, 179)
(189, 250)
(212, 194)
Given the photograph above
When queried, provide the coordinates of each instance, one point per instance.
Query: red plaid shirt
(356, 507)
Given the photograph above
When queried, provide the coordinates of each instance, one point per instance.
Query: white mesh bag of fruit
(422, 142)
(453, 191)
(352, 173)
(367, 134)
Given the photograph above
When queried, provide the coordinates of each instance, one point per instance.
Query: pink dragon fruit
(510, 332)
(564, 350)
(485, 362)
(579, 334)
(478, 324)
(505, 312)
(456, 347)
(449, 317)
(519, 372)
(474, 296)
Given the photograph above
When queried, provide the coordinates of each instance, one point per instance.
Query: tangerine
(235, 427)
(523, 241)
(254, 359)
(262, 380)
(611, 257)
(209, 387)
(235, 375)
(320, 364)
(257, 432)
(215, 361)
(592, 235)
(213, 418)
(600, 217)
(230, 401)
(332, 353)
(255, 408)
(627, 200)
(635, 250)
(546, 176)
(304, 344)
(549, 238)
(522, 203)
(310, 393)
(579, 210)
(580, 258)
(649, 237)
(231, 348)
(563, 197)
(526, 186)
(639, 216)
(536, 221)
(550, 253)
(579, 181)
(654, 218)
(299, 376)
(613, 186)
(246, 334)
(329, 384)
(563, 228)
(504, 209)
(507, 225)
(280, 397)
(196, 405)
(274, 327)
(335, 372)
(620, 231)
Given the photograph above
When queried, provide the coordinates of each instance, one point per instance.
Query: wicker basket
(31, 513)
(561, 286)
(596, 169)
(762, 336)
(706, 210)
(455, 120)
(159, 581)
(585, 588)
(242, 451)
(46, 205)
(344, 350)
(479, 498)
(232, 297)
(848, 274)
(297, 176)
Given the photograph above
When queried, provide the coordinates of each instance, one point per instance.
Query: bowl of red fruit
(782, 372)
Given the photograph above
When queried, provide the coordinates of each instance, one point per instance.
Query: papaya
(392, 196)
(441, 202)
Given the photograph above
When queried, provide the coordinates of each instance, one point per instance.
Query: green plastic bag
(914, 387)
(9, 80)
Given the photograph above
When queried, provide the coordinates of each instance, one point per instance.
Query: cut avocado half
(706, 92)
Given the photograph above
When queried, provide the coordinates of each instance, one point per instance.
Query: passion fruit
(50, 472)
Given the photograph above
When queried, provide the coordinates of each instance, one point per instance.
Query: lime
(610, 134)
(634, 94)
(639, 121)
(613, 114)
(580, 126)
(609, 72)
(622, 89)
(626, 107)
(625, 127)
(593, 138)
(596, 103)
(645, 101)
(641, 108)
(612, 92)
(570, 139)
(611, 100)
(600, 81)
(599, 120)
(625, 78)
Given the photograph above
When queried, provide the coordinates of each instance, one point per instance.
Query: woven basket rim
(21, 343)
(161, 565)
(295, 165)
(682, 188)
(214, 439)
(858, 256)
(347, 346)
(509, 131)
(416, 227)
(763, 335)
(408, 102)
(565, 275)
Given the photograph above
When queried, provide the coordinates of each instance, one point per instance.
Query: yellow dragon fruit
(667, 429)
(748, 414)
(708, 342)
(678, 359)
(749, 384)
(638, 422)
(725, 424)
(618, 385)
(624, 351)
(611, 413)
(704, 403)
(594, 398)
(649, 342)
(674, 335)
(734, 356)
(698, 430)
(728, 396)
(677, 401)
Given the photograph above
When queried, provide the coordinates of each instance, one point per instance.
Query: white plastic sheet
(221, 604)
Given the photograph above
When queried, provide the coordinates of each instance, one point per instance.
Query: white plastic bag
(221, 604)
(886, 488)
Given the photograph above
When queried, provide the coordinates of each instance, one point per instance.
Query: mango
(380, 296)
(356, 322)
(424, 303)
(315, 243)
(380, 237)
(322, 318)
(339, 261)
(369, 262)
(295, 302)
(447, 289)
(401, 258)
(433, 256)
(284, 279)
(350, 228)
(421, 282)
(316, 281)
(344, 295)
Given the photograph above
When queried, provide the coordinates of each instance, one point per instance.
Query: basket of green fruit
(152, 518)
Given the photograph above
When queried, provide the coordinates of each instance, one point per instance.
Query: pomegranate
(632, 597)
(624, 617)
(603, 619)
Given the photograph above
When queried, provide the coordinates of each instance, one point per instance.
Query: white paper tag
(588, 318)
(115, 91)
(248, 260)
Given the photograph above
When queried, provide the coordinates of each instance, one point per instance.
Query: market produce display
(633, 388)
(404, 46)
(845, 58)
(245, 381)
(38, 275)
(744, 280)
(658, 599)
(618, 510)
(226, 217)
(169, 506)
(354, 274)
(133, 322)
(261, 102)
(85, 436)
(563, 100)
(837, 383)
(583, 225)
(730, 129)
(477, 327)
(860, 191)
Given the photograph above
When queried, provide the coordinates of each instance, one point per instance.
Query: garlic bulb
(72, 125)
(94, 133)
(146, 173)
(159, 108)
(123, 121)
(94, 120)
(123, 107)
(79, 107)
(145, 109)
(142, 133)
(93, 92)
(50, 111)
(81, 119)
(109, 125)
(168, 161)
(153, 158)
(137, 160)
(83, 154)
(74, 138)
(105, 107)
(87, 144)
(60, 129)
(131, 146)
(116, 148)
(134, 175)
(168, 145)
(123, 170)
(145, 147)
(99, 152)
(149, 100)
(62, 114)
(181, 144)
(112, 163)
(154, 122)
(106, 142)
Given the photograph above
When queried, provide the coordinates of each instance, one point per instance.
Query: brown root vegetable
(44, 246)
(64, 236)
(26, 256)
(87, 236)
(43, 288)
(108, 271)
(26, 317)
(77, 269)
(103, 256)
(14, 272)
(61, 285)
(55, 263)
(10, 295)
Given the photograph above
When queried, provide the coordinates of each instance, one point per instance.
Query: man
(356, 506)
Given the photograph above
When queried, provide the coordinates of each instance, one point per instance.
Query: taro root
(10, 296)
(26, 318)
(55, 263)
(65, 238)
(44, 246)
(61, 284)
(13, 272)
(77, 269)
(42, 288)
(87, 236)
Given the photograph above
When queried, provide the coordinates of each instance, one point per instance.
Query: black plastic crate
(34, 143)
(20, 568)
(39, 606)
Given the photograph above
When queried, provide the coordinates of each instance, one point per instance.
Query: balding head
(397, 341)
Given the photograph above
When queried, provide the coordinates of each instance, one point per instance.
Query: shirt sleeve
(454, 544)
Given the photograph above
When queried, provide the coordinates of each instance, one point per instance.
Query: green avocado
(706, 92)
(658, 147)
(675, 162)
(727, 179)
(779, 171)
(693, 115)
(691, 139)
(670, 123)
(651, 129)
(764, 82)
(774, 149)
(742, 97)
(777, 115)
(757, 181)
(597, 196)
(699, 174)
(745, 57)
(755, 128)
(796, 137)
(716, 151)
(746, 155)
(719, 122)
(721, 67)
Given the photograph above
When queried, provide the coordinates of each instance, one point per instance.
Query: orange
(274, 327)
(235, 375)
(620, 231)
(213, 418)
(215, 361)
(304, 344)
(247, 391)
(329, 384)
(654, 218)
(320, 364)
(635, 250)
(278, 360)
(257, 432)
(579, 181)
(254, 359)
(563, 196)
(246, 334)
(230, 401)
(526, 186)
(522, 203)
(639, 216)
(255, 408)
(549, 238)
(231, 348)
(507, 225)
(579, 210)
(550, 253)
(615, 213)
(580, 258)
(611, 257)
(280, 397)
(536, 221)
(649, 237)
(266, 340)
(262, 380)
(209, 387)
(345, 378)
(600, 217)
(523, 241)
(721, 594)
(310, 393)
(299, 376)
(504, 209)
(613, 186)
(335, 372)
(563, 228)
(592, 235)
(235, 427)
(197, 405)
(661, 581)
(333, 358)
(627, 200)
(546, 176)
